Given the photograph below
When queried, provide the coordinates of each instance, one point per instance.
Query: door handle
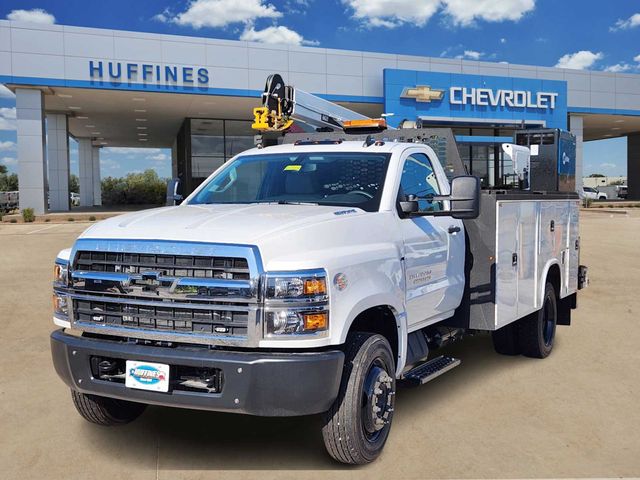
(454, 229)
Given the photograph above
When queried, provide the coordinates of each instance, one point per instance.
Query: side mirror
(465, 197)
(410, 205)
(173, 195)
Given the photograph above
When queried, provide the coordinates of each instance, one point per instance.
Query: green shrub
(27, 215)
(71, 219)
(92, 218)
(47, 220)
(13, 220)
(586, 202)
(136, 188)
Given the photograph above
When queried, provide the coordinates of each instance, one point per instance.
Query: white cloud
(8, 145)
(618, 67)
(636, 58)
(608, 165)
(503, 40)
(36, 15)
(276, 34)
(220, 13)
(159, 157)
(392, 13)
(9, 161)
(471, 55)
(5, 92)
(631, 22)
(465, 12)
(579, 60)
(8, 118)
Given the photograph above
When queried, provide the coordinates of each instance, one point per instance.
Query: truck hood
(238, 224)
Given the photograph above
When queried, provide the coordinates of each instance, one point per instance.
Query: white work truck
(311, 277)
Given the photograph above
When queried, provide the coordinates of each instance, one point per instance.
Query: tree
(136, 188)
(3, 169)
(596, 175)
(74, 184)
(8, 183)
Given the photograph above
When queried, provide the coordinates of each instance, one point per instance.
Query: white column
(97, 185)
(32, 172)
(85, 160)
(576, 127)
(58, 161)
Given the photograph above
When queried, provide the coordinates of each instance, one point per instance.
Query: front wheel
(357, 425)
(106, 411)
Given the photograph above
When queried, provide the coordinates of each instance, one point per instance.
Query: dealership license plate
(147, 376)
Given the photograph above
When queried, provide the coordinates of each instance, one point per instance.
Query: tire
(353, 432)
(602, 198)
(537, 331)
(106, 411)
(505, 339)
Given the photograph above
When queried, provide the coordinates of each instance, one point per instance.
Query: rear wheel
(537, 331)
(357, 425)
(106, 411)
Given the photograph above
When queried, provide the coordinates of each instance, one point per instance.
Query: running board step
(429, 370)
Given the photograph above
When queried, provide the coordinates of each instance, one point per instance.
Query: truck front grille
(173, 291)
(186, 266)
(167, 318)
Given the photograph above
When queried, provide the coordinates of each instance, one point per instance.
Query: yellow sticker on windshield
(294, 168)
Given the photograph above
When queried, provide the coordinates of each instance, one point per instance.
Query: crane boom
(283, 104)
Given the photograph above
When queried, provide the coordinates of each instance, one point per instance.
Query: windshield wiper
(285, 202)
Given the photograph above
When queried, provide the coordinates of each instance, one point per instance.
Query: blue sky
(571, 33)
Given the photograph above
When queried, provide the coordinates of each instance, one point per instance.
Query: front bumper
(255, 383)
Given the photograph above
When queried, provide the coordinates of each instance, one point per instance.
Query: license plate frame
(147, 376)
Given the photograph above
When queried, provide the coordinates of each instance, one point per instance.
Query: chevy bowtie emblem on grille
(422, 93)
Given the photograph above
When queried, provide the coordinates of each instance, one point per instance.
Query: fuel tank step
(427, 371)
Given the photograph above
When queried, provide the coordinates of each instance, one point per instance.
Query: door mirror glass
(465, 197)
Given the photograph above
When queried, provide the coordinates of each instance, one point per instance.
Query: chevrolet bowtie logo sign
(422, 93)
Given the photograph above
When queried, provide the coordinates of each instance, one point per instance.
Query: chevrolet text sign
(467, 99)
(502, 98)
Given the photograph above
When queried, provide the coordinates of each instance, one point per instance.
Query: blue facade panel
(537, 100)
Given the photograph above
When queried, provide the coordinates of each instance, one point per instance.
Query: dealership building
(195, 96)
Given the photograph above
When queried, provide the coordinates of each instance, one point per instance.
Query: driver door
(433, 246)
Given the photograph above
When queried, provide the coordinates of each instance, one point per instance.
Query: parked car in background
(9, 201)
(622, 191)
(592, 193)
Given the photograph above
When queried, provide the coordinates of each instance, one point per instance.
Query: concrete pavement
(574, 414)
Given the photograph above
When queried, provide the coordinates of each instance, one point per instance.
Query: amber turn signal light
(316, 321)
(315, 286)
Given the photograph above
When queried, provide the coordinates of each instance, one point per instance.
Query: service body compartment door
(527, 257)
(574, 250)
(507, 262)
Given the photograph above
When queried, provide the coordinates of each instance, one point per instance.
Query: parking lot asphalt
(575, 414)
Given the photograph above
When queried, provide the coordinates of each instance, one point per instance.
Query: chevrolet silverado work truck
(310, 278)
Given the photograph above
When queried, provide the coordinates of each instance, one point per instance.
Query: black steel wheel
(537, 332)
(357, 425)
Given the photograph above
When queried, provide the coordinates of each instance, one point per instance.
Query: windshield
(335, 178)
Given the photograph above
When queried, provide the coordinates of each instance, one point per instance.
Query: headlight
(60, 305)
(60, 273)
(299, 285)
(289, 321)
